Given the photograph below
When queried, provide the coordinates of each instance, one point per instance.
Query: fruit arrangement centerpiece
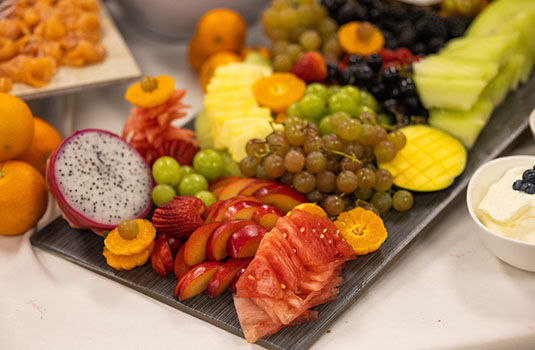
(300, 151)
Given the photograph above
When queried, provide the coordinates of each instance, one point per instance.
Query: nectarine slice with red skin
(220, 214)
(244, 242)
(232, 286)
(221, 182)
(221, 280)
(234, 188)
(157, 264)
(267, 216)
(180, 267)
(212, 210)
(281, 196)
(241, 210)
(216, 246)
(196, 279)
(254, 186)
(195, 246)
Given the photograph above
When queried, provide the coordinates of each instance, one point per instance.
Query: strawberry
(310, 67)
(180, 149)
(179, 217)
(161, 257)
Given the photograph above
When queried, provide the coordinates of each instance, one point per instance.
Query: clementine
(23, 197)
(16, 126)
(45, 140)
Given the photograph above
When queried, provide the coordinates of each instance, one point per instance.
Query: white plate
(119, 66)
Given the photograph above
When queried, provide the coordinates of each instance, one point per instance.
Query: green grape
(363, 193)
(294, 161)
(333, 142)
(320, 12)
(327, 27)
(192, 184)
(325, 126)
(208, 163)
(368, 100)
(333, 205)
(353, 148)
(278, 143)
(277, 33)
(366, 178)
(333, 89)
(295, 135)
(349, 164)
(287, 179)
(306, 14)
(326, 181)
(248, 166)
(331, 49)
(383, 180)
(346, 181)
(336, 118)
(166, 171)
(317, 89)
(279, 47)
(315, 162)
(368, 135)
(186, 170)
(293, 111)
(304, 182)
(385, 119)
(310, 40)
(397, 138)
(380, 133)
(342, 102)
(382, 201)
(313, 143)
(261, 172)
(282, 62)
(274, 166)
(288, 18)
(353, 92)
(128, 229)
(384, 151)
(270, 19)
(207, 197)
(294, 51)
(312, 106)
(332, 162)
(314, 196)
(361, 109)
(349, 129)
(162, 194)
(230, 167)
(370, 166)
(281, 4)
(403, 200)
(312, 129)
(367, 117)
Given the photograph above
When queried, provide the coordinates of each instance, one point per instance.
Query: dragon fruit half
(99, 180)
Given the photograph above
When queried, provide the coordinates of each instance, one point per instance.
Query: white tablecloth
(446, 292)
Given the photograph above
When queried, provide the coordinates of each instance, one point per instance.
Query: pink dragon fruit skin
(104, 143)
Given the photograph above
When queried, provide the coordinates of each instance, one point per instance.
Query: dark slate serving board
(85, 248)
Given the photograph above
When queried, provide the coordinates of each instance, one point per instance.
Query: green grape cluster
(337, 169)
(298, 26)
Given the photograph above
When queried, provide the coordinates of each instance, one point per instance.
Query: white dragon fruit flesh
(99, 180)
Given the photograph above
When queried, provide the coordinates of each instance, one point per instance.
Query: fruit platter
(314, 163)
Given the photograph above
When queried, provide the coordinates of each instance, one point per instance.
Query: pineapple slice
(430, 160)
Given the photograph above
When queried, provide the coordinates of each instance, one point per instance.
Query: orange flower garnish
(278, 91)
(362, 229)
(150, 92)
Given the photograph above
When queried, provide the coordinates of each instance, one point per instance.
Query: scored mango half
(430, 160)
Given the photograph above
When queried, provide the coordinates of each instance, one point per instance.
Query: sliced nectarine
(221, 280)
(254, 186)
(244, 242)
(195, 246)
(267, 216)
(232, 286)
(234, 188)
(218, 185)
(216, 246)
(221, 210)
(241, 210)
(281, 196)
(196, 279)
(180, 267)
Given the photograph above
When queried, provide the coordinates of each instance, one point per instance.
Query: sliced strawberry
(162, 256)
(179, 217)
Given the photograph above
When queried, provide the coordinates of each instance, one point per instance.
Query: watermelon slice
(296, 267)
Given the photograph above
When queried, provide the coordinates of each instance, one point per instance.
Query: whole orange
(217, 59)
(23, 197)
(16, 126)
(45, 140)
(217, 30)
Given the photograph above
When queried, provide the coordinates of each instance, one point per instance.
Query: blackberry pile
(419, 29)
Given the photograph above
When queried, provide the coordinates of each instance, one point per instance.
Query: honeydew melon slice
(465, 126)
(496, 12)
(506, 79)
(449, 93)
(439, 66)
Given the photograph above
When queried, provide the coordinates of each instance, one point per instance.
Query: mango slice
(430, 161)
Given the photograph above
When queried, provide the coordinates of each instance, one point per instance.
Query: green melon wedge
(439, 66)
(493, 48)
(506, 79)
(501, 11)
(448, 93)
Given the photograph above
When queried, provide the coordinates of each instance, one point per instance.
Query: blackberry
(416, 14)
(413, 104)
(432, 25)
(346, 13)
(390, 75)
(355, 60)
(374, 15)
(407, 36)
(375, 61)
(392, 44)
(391, 104)
(419, 48)
(332, 5)
(407, 88)
(456, 25)
(367, 3)
(395, 93)
(435, 44)
(365, 75)
(349, 76)
(361, 13)
(379, 91)
(333, 72)
(395, 10)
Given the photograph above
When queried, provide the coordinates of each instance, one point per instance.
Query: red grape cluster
(337, 170)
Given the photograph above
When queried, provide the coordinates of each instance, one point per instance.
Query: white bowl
(532, 122)
(520, 254)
